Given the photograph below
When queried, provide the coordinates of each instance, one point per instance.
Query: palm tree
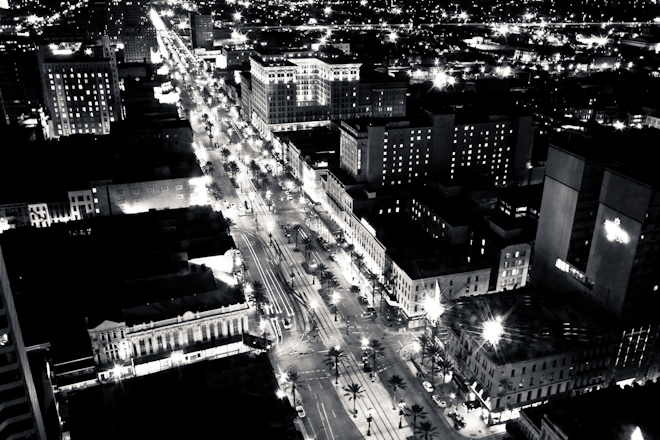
(225, 154)
(373, 278)
(350, 249)
(230, 223)
(259, 293)
(334, 356)
(427, 430)
(309, 247)
(377, 351)
(424, 342)
(446, 366)
(320, 268)
(433, 351)
(234, 168)
(359, 261)
(293, 378)
(396, 383)
(354, 391)
(328, 277)
(254, 167)
(417, 411)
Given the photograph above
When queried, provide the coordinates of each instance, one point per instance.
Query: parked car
(367, 367)
(286, 324)
(333, 257)
(301, 411)
(427, 386)
(438, 401)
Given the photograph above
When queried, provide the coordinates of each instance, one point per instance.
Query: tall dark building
(598, 235)
(20, 416)
(202, 31)
(20, 87)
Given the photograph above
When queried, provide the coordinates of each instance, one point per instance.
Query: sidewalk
(475, 426)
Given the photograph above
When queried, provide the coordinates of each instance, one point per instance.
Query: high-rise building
(140, 43)
(20, 87)
(597, 237)
(294, 91)
(603, 218)
(20, 416)
(81, 87)
(440, 147)
(202, 31)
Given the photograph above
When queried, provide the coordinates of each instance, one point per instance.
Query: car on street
(286, 324)
(438, 401)
(333, 257)
(427, 386)
(301, 411)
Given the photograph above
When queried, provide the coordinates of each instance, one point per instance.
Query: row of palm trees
(430, 347)
(355, 392)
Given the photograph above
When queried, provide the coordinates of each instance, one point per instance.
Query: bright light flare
(443, 80)
(280, 394)
(493, 330)
(614, 231)
(433, 308)
(619, 125)
(327, 10)
(237, 16)
(392, 37)
(636, 434)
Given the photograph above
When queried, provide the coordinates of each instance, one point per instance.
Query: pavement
(475, 426)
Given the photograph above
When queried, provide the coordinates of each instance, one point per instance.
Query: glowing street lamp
(280, 394)
(402, 406)
(237, 16)
(270, 226)
(369, 419)
(416, 346)
(335, 300)
(262, 327)
(392, 37)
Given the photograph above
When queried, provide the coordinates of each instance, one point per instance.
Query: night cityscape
(307, 220)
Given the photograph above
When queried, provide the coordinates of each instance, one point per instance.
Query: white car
(427, 386)
(438, 401)
(301, 411)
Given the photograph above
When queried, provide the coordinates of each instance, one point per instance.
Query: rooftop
(234, 396)
(611, 413)
(533, 324)
(177, 306)
(102, 254)
(631, 148)
(419, 255)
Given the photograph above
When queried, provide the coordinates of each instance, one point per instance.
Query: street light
(335, 300)
(452, 396)
(270, 232)
(492, 330)
(416, 346)
(402, 405)
(369, 419)
(280, 393)
(262, 327)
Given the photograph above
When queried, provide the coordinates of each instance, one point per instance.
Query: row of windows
(149, 190)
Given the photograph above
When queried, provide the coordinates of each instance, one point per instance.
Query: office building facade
(289, 92)
(441, 147)
(81, 87)
(202, 31)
